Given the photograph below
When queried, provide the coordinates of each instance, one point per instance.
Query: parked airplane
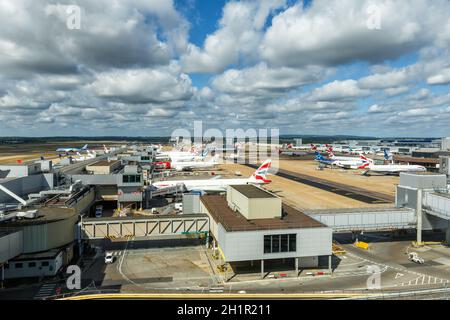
(258, 177)
(322, 160)
(387, 169)
(351, 163)
(106, 149)
(333, 157)
(189, 165)
(90, 155)
(72, 149)
(319, 147)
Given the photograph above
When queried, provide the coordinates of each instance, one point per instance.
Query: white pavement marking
(45, 290)
(400, 269)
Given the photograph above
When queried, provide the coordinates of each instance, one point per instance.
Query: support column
(262, 269)
(330, 269)
(447, 236)
(419, 216)
(296, 267)
(3, 276)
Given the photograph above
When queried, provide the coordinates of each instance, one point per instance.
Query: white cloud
(339, 90)
(442, 78)
(158, 85)
(334, 32)
(239, 33)
(262, 80)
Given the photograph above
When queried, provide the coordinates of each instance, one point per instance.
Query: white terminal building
(251, 224)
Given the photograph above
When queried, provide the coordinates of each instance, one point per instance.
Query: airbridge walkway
(100, 228)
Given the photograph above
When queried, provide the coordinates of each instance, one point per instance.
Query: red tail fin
(365, 165)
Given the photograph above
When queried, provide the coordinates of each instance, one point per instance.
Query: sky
(148, 67)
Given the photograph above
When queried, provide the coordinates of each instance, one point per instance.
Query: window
(275, 244)
(131, 179)
(284, 243)
(44, 264)
(19, 265)
(31, 264)
(144, 158)
(267, 244)
(292, 242)
(280, 243)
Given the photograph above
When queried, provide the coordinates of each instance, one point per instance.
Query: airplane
(183, 156)
(189, 165)
(387, 155)
(352, 163)
(258, 178)
(388, 169)
(333, 157)
(355, 163)
(106, 149)
(90, 155)
(319, 147)
(322, 160)
(72, 149)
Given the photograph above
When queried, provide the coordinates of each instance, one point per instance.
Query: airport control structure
(53, 212)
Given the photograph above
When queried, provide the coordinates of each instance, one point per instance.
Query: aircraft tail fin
(364, 166)
(84, 147)
(260, 175)
(319, 157)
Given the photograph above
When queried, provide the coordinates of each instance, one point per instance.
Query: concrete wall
(191, 203)
(246, 246)
(103, 169)
(43, 237)
(129, 194)
(423, 181)
(253, 208)
(11, 245)
(264, 208)
(97, 179)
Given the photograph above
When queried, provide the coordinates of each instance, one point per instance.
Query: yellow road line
(216, 296)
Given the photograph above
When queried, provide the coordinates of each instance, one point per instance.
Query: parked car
(109, 258)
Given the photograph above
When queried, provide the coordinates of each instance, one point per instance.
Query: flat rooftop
(416, 159)
(103, 163)
(44, 215)
(218, 208)
(252, 192)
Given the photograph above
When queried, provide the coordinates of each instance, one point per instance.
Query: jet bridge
(365, 219)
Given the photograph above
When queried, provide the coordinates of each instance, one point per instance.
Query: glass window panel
(275, 243)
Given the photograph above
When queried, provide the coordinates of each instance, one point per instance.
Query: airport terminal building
(252, 224)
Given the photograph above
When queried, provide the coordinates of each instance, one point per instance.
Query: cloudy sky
(146, 67)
